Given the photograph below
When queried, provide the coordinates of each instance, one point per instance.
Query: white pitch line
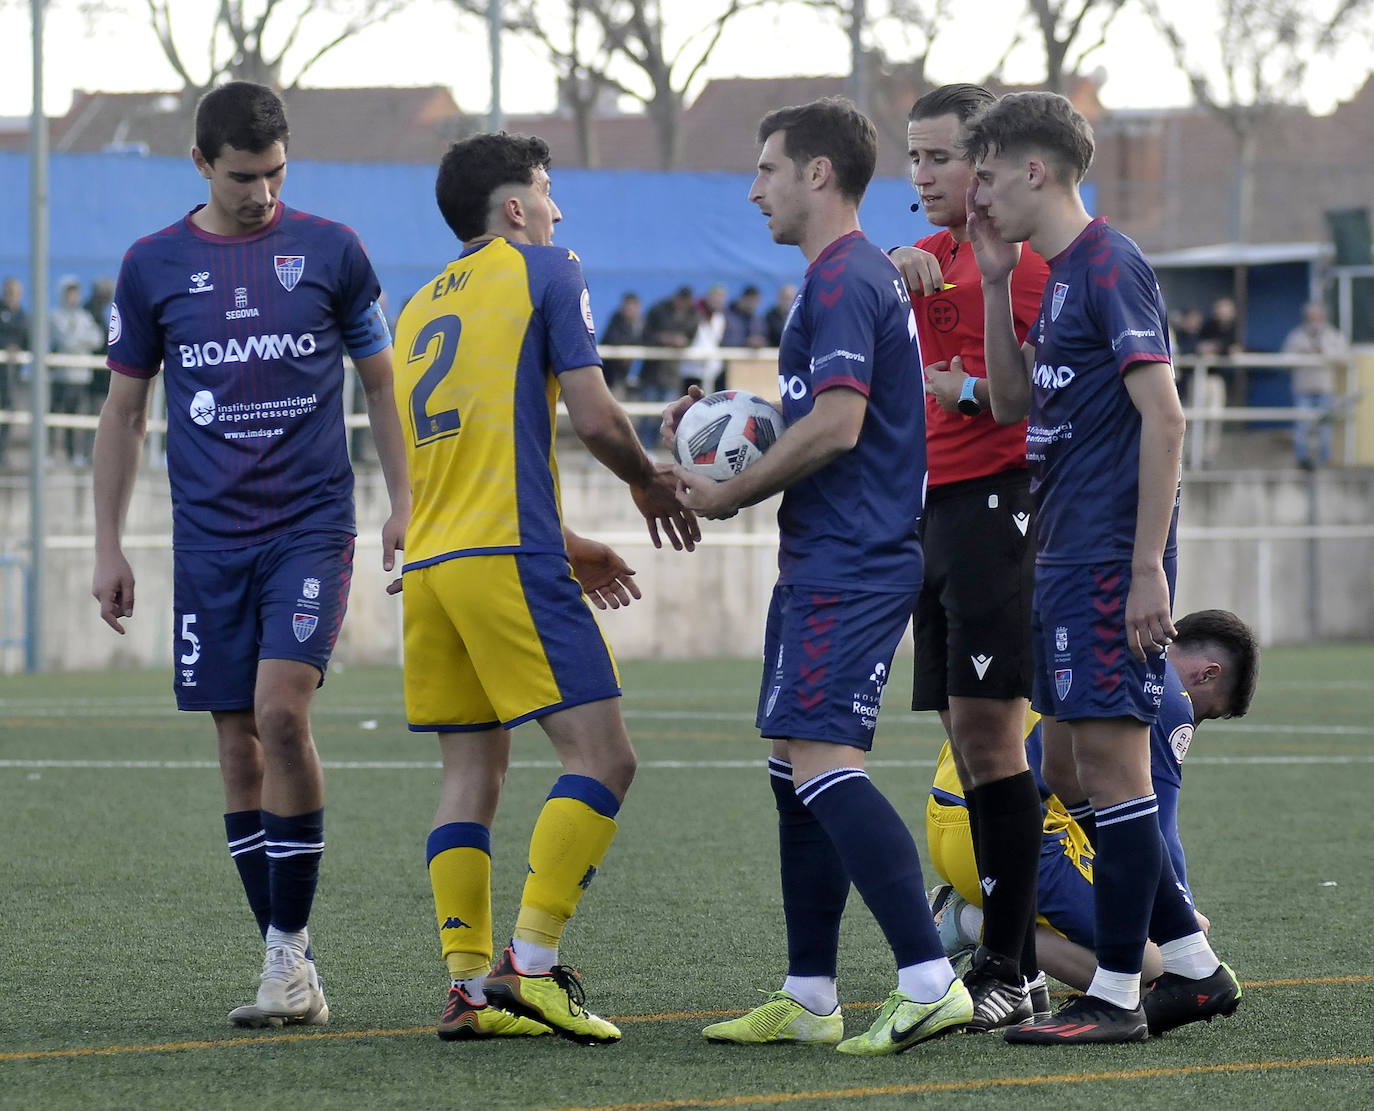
(665, 765)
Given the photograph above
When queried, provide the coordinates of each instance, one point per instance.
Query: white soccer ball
(723, 433)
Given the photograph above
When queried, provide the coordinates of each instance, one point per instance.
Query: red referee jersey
(951, 323)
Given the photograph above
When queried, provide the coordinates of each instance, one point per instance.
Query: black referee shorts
(972, 619)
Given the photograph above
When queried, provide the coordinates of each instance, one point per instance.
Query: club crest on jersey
(310, 588)
(303, 625)
(289, 270)
(1061, 290)
(1063, 680)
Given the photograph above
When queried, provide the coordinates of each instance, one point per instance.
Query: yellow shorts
(498, 640)
(1065, 880)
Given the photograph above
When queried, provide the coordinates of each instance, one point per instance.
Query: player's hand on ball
(707, 497)
(667, 431)
(658, 502)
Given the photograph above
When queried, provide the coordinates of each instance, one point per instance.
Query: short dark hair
(833, 128)
(1046, 123)
(960, 99)
(1223, 632)
(474, 168)
(242, 115)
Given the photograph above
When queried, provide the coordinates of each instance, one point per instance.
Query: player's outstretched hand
(705, 496)
(113, 587)
(920, 269)
(996, 257)
(1149, 626)
(605, 578)
(658, 502)
(667, 431)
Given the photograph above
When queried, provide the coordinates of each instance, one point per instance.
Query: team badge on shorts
(1063, 680)
(289, 270)
(303, 625)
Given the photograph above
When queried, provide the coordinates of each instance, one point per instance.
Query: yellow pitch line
(624, 1020)
(932, 1087)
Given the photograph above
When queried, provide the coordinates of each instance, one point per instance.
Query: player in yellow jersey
(1211, 671)
(497, 630)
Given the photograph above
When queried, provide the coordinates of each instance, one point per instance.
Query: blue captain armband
(368, 334)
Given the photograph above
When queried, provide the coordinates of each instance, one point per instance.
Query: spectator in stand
(1187, 331)
(626, 328)
(98, 304)
(707, 373)
(14, 337)
(74, 332)
(671, 322)
(1219, 334)
(1314, 387)
(776, 318)
(1186, 338)
(743, 328)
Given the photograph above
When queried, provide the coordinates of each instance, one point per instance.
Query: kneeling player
(1210, 672)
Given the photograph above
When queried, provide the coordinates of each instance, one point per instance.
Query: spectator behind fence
(1314, 387)
(98, 304)
(626, 328)
(671, 322)
(14, 337)
(74, 332)
(775, 318)
(743, 327)
(708, 372)
(1186, 334)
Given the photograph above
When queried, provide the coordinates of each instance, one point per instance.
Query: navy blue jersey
(250, 332)
(853, 522)
(1101, 312)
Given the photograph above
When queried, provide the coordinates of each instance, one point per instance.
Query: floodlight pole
(38, 345)
(495, 119)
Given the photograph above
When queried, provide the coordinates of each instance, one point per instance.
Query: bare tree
(883, 34)
(621, 48)
(1261, 59)
(274, 42)
(1070, 31)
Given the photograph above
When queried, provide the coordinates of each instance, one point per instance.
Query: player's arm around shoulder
(375, 373)
(829, 430)
(605, 428)
(119, 437)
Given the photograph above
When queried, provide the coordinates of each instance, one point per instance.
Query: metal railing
(1204, 419)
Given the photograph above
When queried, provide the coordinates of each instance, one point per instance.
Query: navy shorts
(827, 656)
(282, 599)
(1083, 666)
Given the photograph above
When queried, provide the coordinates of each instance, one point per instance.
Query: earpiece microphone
(915, 208)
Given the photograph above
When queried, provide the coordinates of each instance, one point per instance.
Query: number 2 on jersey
(429, 426)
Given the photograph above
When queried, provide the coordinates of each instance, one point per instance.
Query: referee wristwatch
(968, 400)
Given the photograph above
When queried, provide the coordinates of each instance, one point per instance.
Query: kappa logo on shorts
(1063, 680)
(303, 625)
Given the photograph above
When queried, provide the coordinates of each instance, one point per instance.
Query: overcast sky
(428, 44)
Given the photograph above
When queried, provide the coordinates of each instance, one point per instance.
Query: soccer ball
(723, 433)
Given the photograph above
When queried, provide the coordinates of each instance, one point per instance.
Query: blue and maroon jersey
(1101, 312)
(250, 332)
(853, 522)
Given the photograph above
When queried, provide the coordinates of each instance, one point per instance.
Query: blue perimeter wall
(642, 231)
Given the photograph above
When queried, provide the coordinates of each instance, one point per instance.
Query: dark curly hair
(474, 168)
